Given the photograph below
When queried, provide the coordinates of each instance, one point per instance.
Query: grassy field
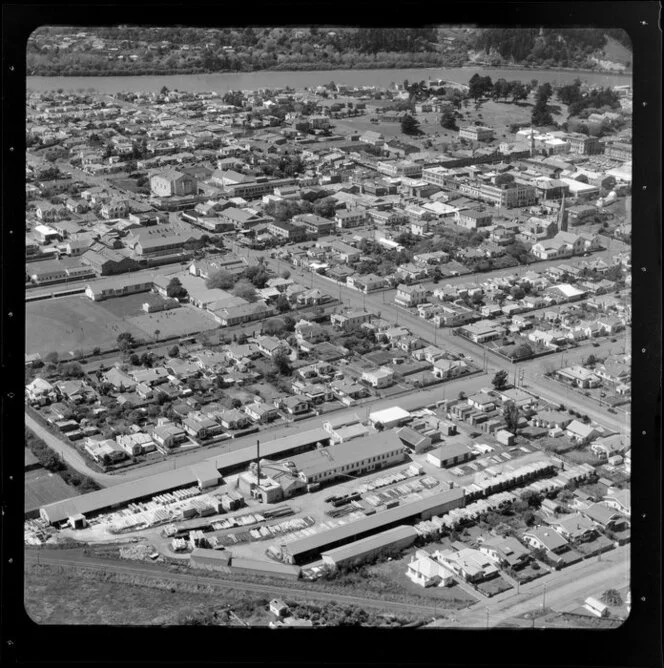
(123, 307)
(176, 322)
(498, 115)
(42, 487)
(71, 323)
(62, 597)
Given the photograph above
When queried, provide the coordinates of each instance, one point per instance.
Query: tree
(245, 290)
(379, 426)
(591, 360)
(448, 119)
(518, 91)
(126, 341)
(501, 89)
(134, 359)
(511, 416)
(612, 598)
(325, 208)
(541, 115)
(410, 126)
(175, 289)
(51, 358)
(174, 351)
(281, 363)
(282, 304)
(285, 274)
(221, 279)
(532, 499)
(499, 381)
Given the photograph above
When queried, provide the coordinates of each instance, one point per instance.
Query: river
(225, 81)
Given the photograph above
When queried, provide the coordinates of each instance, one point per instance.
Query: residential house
(379, 378)
(410, 295)
(580, 432)
(261, 413)
(426, 571)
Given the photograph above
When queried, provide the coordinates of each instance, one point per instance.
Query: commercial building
(362, 455)
(391, 540)
(310, 548)
(390, 417)
(476, 133)
(172, 182)
(449, 455)
(506, 195)
(118, 286)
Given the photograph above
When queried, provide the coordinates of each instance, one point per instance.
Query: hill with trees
(122, 50)
(546, 47)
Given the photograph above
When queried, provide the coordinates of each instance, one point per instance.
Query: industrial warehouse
(310, 548)
(206, 474)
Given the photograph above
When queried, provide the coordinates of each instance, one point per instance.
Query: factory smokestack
(258, 462)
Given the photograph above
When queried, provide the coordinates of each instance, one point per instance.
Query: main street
(559, 591)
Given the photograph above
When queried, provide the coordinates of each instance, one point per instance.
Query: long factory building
(204, 474)
(310, 548)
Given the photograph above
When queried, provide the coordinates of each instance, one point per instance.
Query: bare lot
(72, 323)
(57, 597)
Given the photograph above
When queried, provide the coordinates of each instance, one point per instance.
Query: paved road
(68, 452)
(558, 591)
(408, 402)
(158, 573)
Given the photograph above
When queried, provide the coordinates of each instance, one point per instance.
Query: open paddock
(72, 323)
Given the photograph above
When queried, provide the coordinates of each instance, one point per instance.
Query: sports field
(175, 322)
(72, 323)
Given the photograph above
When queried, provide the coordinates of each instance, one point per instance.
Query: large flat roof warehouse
(299, 551)
(389, 415)
(126, 492)
(385, 539)
(232, 461)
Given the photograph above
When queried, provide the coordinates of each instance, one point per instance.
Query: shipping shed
(268, 568)
(215, 560)
(309, 548)
(238, 460)
(391, 540)
(120, 495)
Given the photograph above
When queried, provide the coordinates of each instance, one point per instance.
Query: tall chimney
(258, 463)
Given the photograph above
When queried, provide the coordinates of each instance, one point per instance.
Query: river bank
(223, 82)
